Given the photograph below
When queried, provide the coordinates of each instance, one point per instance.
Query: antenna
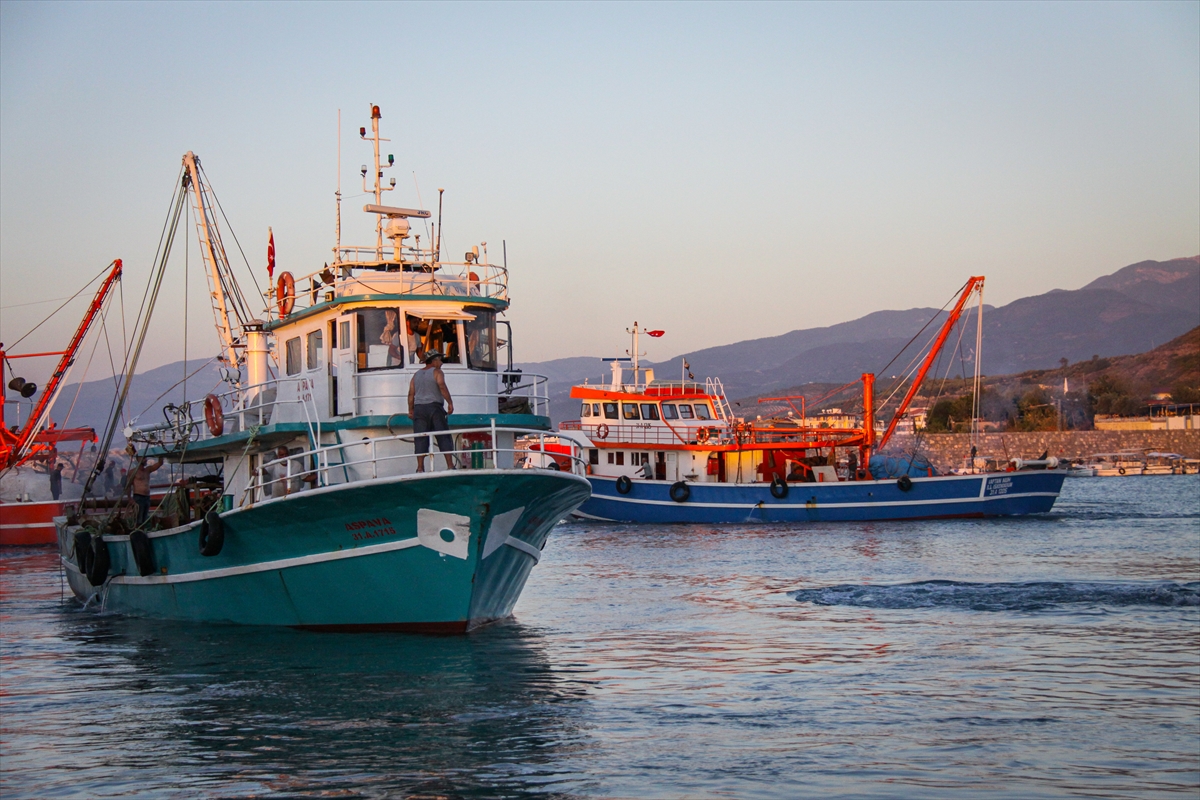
(438, 255)
(338, 194)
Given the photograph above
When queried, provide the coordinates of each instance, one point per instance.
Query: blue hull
(445, 552)
(987, 495)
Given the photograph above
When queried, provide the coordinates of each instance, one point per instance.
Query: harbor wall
(950, 449)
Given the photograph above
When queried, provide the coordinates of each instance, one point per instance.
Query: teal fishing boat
(319, 509)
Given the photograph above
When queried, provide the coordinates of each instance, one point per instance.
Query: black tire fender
(905, 483)
(680, 491)
(98, 570)
(143, 553)
(1121, 471)
(83, 551)
(779, 488)
(624, 484)
(212, 534)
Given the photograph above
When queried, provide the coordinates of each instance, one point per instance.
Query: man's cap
(431, 355)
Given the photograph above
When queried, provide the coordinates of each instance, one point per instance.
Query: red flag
(655, 334)
(270, 254)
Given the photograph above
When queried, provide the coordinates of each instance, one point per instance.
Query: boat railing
(444, 278)
(716, 390)
(355, 462)
(242, 409)
(517, 388)
(715, 434)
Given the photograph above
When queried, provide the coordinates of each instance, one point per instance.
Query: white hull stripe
(286, 563)
(818, 505)
(27, 525)
(267, 566)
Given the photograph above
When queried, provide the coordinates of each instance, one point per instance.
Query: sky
(719, 171)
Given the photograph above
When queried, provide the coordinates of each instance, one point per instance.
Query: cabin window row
(646, 411)
(617, 458)
(382, 343)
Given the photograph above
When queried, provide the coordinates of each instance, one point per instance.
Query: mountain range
(1130, 311)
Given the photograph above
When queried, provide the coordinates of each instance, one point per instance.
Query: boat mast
(634, 353)
(974, 284)
(379, 187)
(975, 409)
(221, 284)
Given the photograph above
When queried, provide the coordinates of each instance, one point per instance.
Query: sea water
(1053, 656)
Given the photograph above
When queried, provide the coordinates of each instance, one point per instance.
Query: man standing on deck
(139, 483)
(110, 479)
(425, 394)
(56, 480)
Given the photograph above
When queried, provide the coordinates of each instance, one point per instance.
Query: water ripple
(1032, 596)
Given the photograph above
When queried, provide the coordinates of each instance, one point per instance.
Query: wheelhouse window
(586, 411)
(595, 409)
(685, 411)
(344, 335)
(610, 411)
(292, 348)
(424, 335)
(481, 339)
(379, 342)
(313, 350)
(669, 411)
(702, 411)
(630, 411)
(649, 411)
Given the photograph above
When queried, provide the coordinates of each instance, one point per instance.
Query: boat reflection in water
(281, 710)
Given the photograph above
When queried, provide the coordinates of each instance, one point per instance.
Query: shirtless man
(139, 483)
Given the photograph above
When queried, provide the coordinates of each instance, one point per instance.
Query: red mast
(973, 285)
(14, 446)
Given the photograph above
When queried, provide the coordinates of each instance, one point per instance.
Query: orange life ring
(285, 292)
(602, 432)
(702, 436)
(213, 415)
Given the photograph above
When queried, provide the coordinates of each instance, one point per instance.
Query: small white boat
(1078, 469)
(1160, 463)
(1110, 465)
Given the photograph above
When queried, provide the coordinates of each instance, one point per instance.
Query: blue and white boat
(343, 531)
(665, 451)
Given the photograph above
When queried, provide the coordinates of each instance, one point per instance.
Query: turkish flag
(270, 254)
(655, 334)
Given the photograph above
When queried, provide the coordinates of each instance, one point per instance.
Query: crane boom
(973, 285)
(15, 452)
(221, 285)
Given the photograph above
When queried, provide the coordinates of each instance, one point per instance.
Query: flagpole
(270, 270)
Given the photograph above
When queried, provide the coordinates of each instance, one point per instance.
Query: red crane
(19, 445)
(973, 285)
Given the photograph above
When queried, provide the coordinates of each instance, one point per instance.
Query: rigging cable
(144, 315)
(60, 308)
(236, 290)
(923, 327)
(87, 367)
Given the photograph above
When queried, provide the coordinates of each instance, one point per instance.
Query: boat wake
(1032, 596)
